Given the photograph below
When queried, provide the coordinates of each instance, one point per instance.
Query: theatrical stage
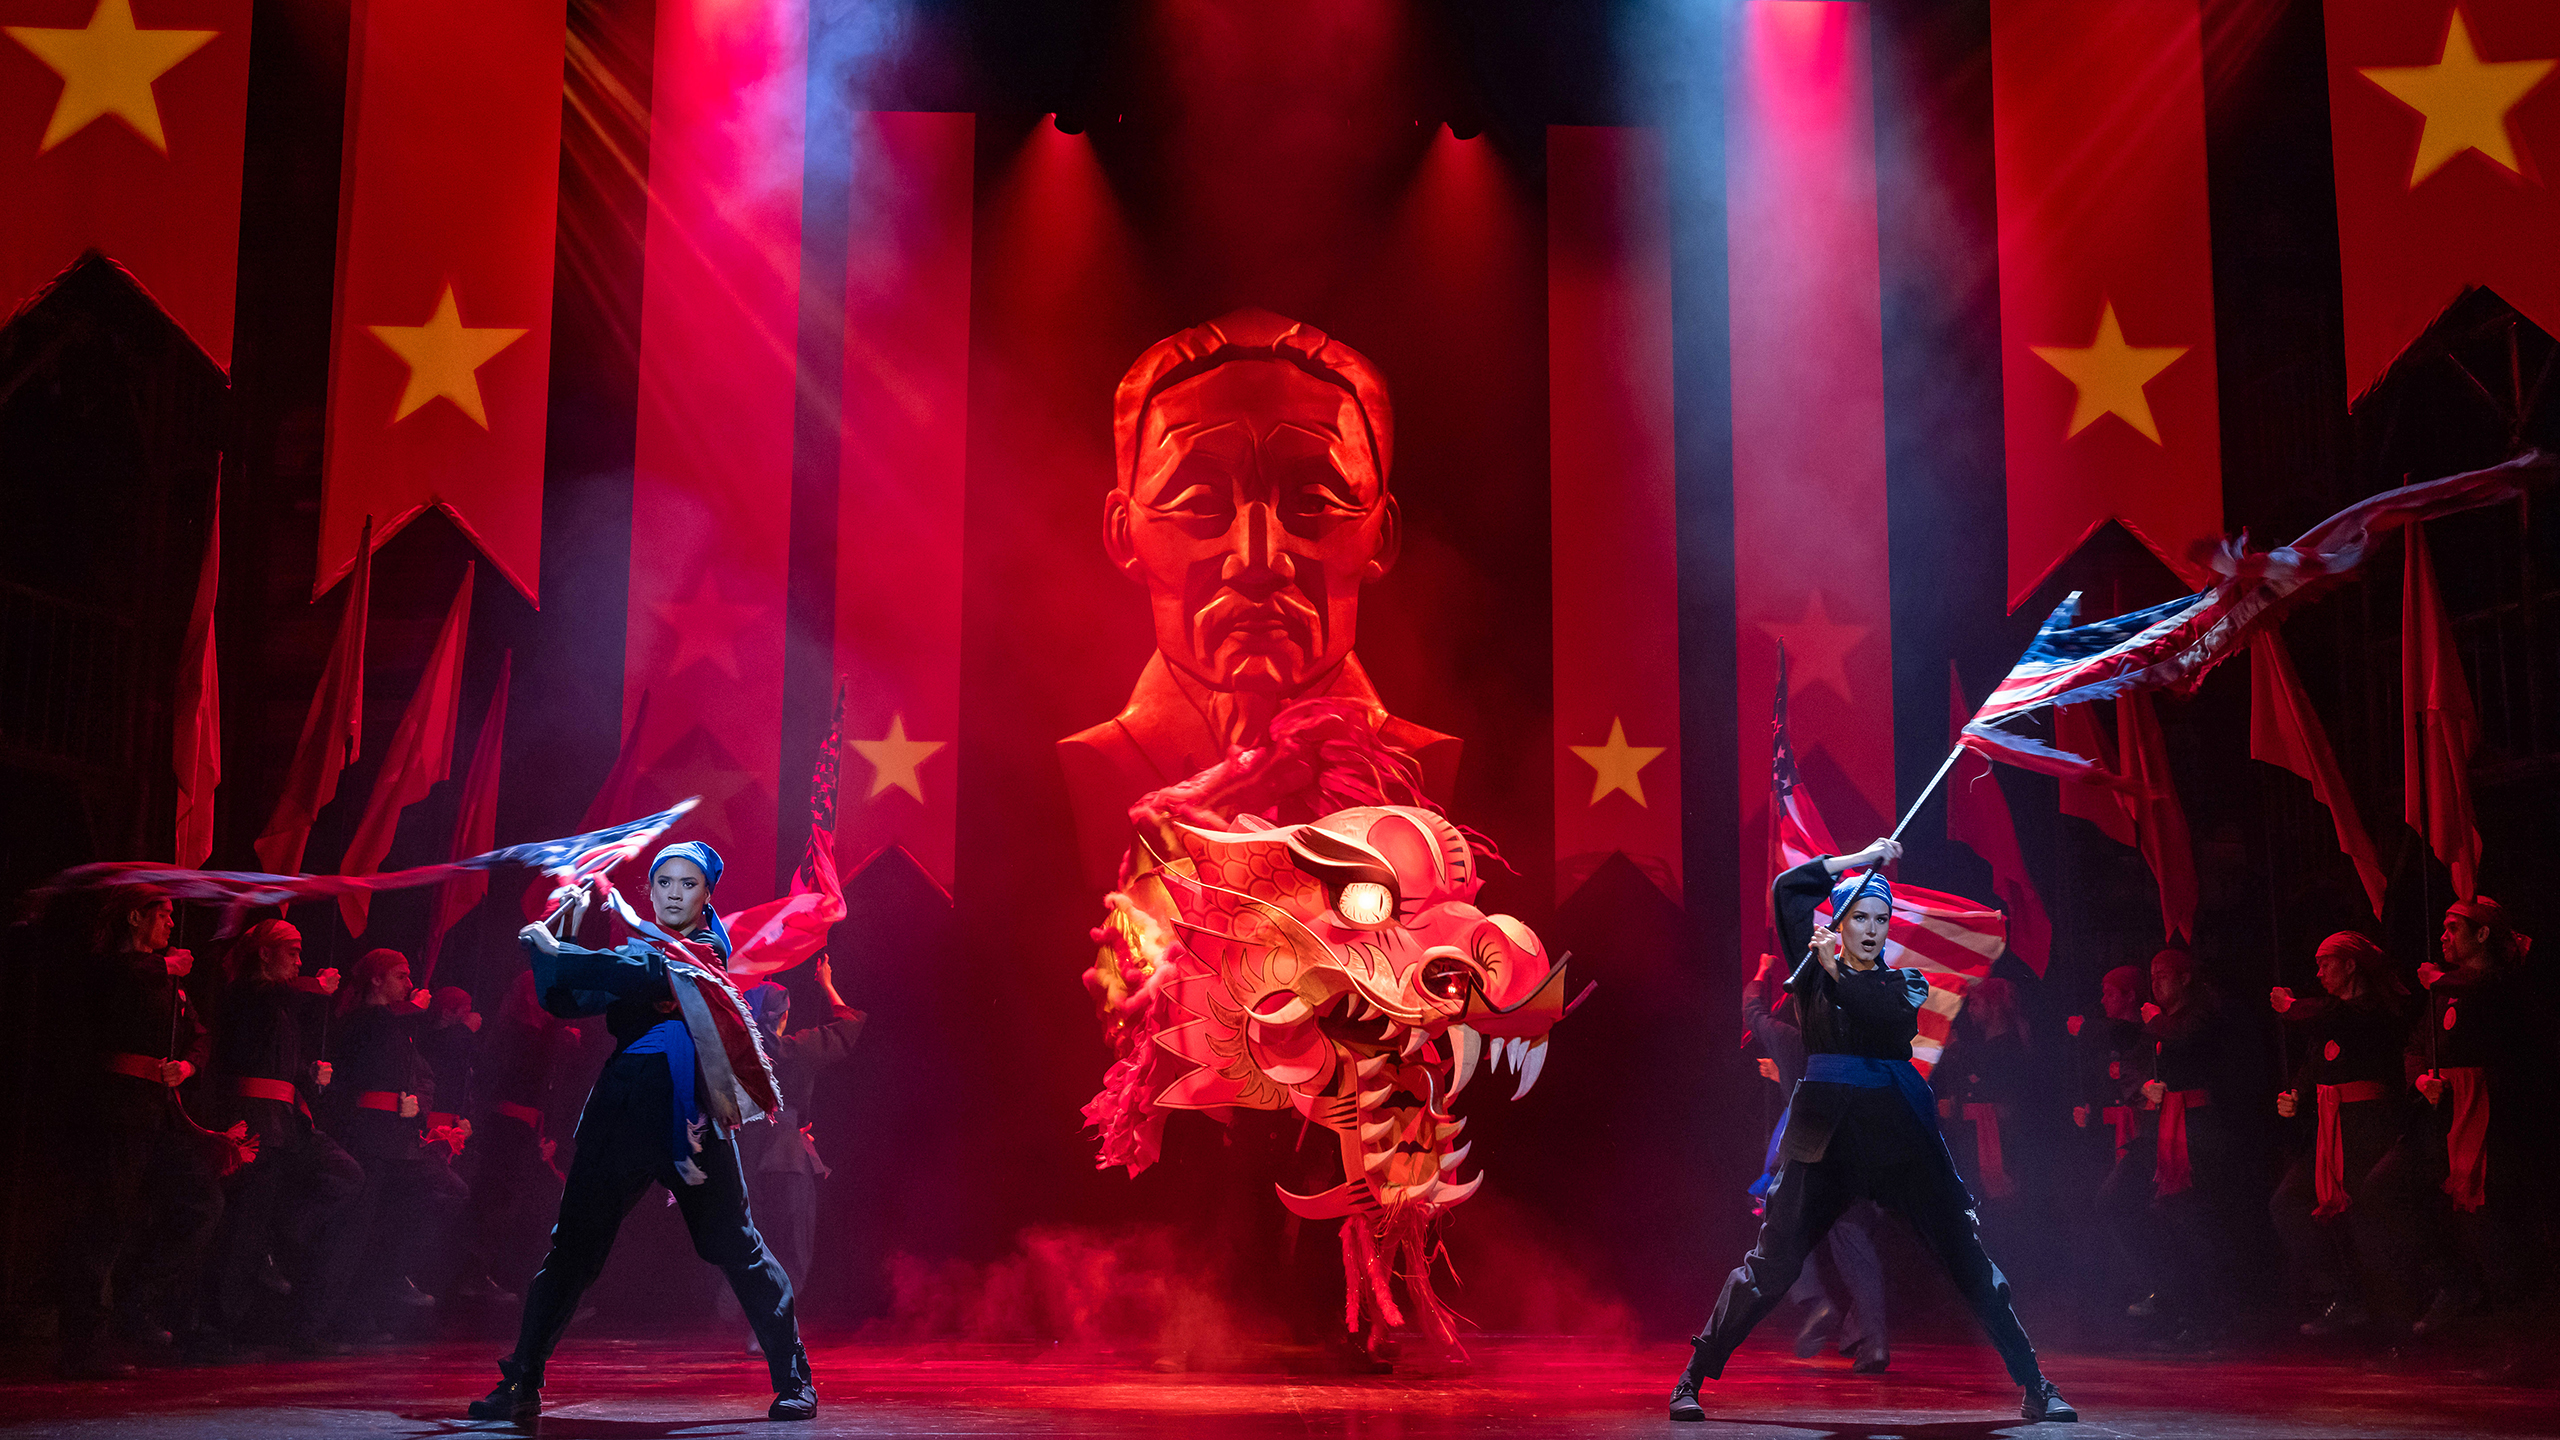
(1514, 1386)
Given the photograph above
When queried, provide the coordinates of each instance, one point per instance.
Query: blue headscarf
(1852, 888)
(707, 860)
(771, 1003)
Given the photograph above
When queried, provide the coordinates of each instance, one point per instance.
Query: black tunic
(1872, 1013)
(134, 1006)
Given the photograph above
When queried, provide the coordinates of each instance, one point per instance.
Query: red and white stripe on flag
(1613, 528)
(719, 359)
(1952, 940)
(901, 480)
(440, 363)
(122, 125)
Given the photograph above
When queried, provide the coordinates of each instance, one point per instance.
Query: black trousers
(1802, 1207)
(144, 1203)
(2325, 1253)
(514, 1194)
(622, 1151)
(387, 1233)
(1845, 1273)
(289, 1203)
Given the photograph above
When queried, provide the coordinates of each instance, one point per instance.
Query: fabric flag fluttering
(197, 747)
(778, 934)
(2284, 730)
(1952, 940)
(2159, 821)
(421, 753)
(1978, 818)
(475, 825)
(2438, 730)
(2174, 645)
(570, 861)
(2076, 729)
(332, 733)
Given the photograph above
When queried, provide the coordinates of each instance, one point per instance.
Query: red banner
(906, 412)
(719, 360)
(2445, 128)
(122, 124)
(420, 757)
(2284, 730)
(475, 825)
(196, 751)
(1616, 569)
(2438, 728)
(332, 732)
(1809, 541)
(2106, 279)
(441, 363)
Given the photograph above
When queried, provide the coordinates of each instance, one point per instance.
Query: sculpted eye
(1365, 902)
(1447, 979)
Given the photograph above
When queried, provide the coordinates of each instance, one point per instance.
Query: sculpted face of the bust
(1253, 515)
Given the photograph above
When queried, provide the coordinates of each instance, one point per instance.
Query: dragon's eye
(1365, 902)
(1447, 979)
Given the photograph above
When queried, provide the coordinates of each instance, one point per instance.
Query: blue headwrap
(1854, 887)
(707, 860)
(771, 1003)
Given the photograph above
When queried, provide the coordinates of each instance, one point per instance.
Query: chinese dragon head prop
(1336, 965)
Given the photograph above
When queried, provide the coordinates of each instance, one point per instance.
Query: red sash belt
(444, 1118)
(1996, 1183)
(2121, 1117)
(2170, 1172)
(379, 1100)
(140, 1067)
(259, 1087)
(526, 1113)
(2329, 1162)
(2466, 1138)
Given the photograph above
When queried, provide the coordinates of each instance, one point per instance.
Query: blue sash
(1868, 1073)
(670, 1038)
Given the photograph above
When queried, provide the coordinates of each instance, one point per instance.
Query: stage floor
(664, 1390)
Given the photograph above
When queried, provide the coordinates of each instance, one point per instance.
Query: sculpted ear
(1390, 540)
(1118, 520)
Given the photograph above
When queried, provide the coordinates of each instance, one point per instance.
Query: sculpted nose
(1254, 554)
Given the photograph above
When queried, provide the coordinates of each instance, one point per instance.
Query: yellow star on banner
(2463, 98)
(705, 626)
(1617, 765)
(107, 69)
(894, 759)
(1819, 646)
(2110, 374)
(444, 357)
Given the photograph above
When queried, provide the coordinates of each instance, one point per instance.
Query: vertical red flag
(441, 360)
(901, 483)
(122, 124)
(719, 358)
(198, 741)
(2106, 279)
(1808, 404)
(332, 733)
(2444, 127)
(2160, 822)
(420, 757)
(2076, 729)
(1616, 571)
(2284, 730)
(475, 826)
(2437, 727)
(1978, 817)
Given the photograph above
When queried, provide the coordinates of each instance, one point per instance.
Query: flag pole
(1925, 792)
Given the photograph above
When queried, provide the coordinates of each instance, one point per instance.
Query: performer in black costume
(1862, 1125)
(665, 1110)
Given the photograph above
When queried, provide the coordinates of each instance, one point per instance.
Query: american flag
(1948, 938)
(2174, 645)
(572, 859)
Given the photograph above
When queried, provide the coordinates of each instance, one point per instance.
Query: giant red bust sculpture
(1250, 497)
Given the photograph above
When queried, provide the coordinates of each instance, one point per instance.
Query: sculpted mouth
(1400, 1142)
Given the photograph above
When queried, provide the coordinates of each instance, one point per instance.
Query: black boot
(795, 1394)
(518, 1397)
(2044, 1402)
(1684, 1395)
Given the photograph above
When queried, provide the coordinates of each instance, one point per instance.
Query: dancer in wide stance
(1862, 1125)
(686, 1072)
